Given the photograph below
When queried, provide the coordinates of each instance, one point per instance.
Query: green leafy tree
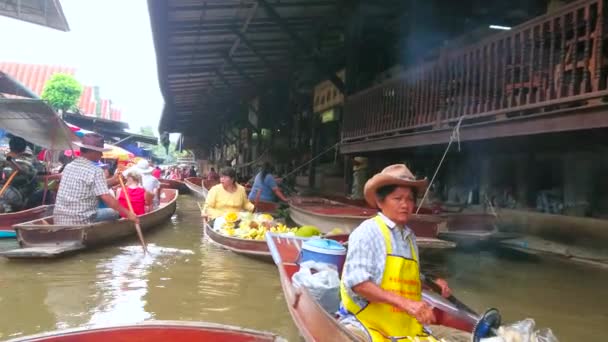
(62, 92)
(168, 153)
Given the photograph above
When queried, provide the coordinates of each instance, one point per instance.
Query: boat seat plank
(41, 251)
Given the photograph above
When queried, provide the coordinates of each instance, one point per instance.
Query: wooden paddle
(8, 182)
(257, 200)
(137, 227)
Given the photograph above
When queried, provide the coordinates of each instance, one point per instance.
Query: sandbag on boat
(323, 283)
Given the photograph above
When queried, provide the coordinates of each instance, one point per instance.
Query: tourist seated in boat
(192, 171)
(228, 196)
(381, 282)
(135, 192)
(149, 183)
(23, 184)
(265, 186)
(157, 172)
(83, 185)
(175, 174)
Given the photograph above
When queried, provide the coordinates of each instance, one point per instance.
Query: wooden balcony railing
(548, 63)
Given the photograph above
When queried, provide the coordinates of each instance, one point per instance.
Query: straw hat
(396, 174)
(142, 167)
(92, 141)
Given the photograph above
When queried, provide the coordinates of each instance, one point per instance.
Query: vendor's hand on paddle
(419, 310)
(445, 289)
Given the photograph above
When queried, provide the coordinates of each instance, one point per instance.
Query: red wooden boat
(207, 185)
(174, 184)
(9, 219)
(462, 227)
(194, 184)
(156, 331)
(327, 215)
(314, 323)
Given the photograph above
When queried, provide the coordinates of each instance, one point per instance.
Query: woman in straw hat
(381, 283)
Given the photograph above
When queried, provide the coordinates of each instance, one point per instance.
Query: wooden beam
(252, 47)
(302, 45)
(238, 69)
(571, 120)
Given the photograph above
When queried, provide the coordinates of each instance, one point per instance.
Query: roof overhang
(217, 53)
(108, 128)
(35, 122)
(41, 12)
(10, 86)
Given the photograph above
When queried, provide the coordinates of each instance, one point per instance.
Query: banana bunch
(282, 229)
(255, 234)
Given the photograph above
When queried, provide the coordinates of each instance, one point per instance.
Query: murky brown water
(186, 278)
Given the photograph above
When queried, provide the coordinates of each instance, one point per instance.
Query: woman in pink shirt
(137, 194)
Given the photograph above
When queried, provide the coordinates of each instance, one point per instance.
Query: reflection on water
(186, 278)
(124, 281)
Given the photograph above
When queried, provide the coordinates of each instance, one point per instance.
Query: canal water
(187, 278)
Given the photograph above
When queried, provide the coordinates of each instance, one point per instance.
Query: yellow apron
(383, 321)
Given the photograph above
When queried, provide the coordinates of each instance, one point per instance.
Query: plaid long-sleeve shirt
(366, 256)
(82, 183)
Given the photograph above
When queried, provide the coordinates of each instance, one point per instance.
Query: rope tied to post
(454, 137)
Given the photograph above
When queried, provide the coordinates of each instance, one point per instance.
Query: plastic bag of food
(323, 283)
(522, 331)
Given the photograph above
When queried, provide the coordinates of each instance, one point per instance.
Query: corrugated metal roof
(222, 51)
(42, 12)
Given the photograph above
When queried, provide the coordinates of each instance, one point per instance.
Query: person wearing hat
(148, 181)
(82, 186)
(381, 283)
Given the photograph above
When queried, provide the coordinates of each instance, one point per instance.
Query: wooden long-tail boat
(470, 229)
(257, 249)
(156, 331)
(316, 324)
(463, 227)
(327, 215)
(174, 184)
(194, 184)
(7, 220)
(36, 122)
(207, 185)
(43, 239)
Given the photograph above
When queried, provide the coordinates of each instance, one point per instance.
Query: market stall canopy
(110, 129)
(35, 122)
(12, 87)
(117, 153)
